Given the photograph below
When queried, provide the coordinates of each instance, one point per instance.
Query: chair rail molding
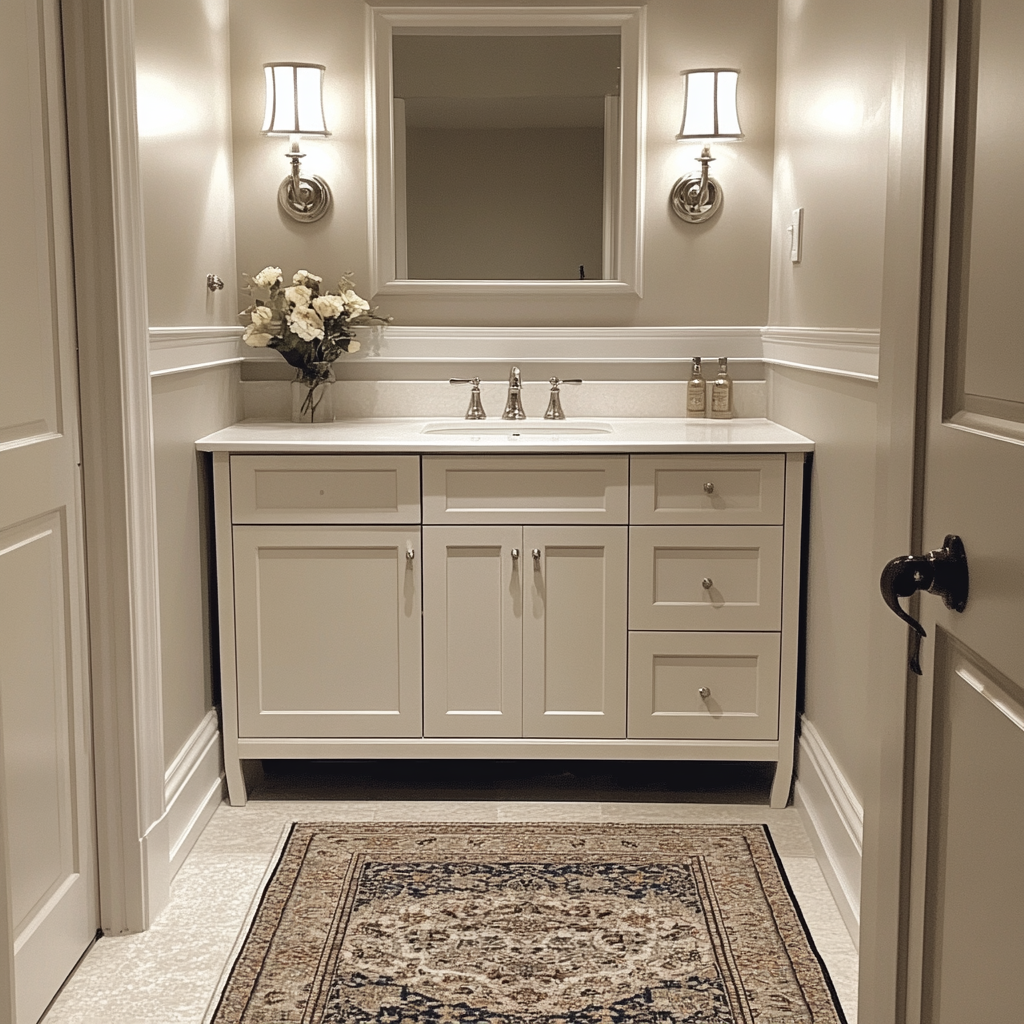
(184, 349)
(846, 353)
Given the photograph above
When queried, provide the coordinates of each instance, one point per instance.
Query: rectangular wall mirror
(506, 148)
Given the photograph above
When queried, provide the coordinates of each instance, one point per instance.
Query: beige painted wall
(185, 158)
(185, 407)
(831, 155)
(832, 136)
(714, 274)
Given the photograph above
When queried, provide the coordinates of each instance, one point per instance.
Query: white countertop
(408, 435)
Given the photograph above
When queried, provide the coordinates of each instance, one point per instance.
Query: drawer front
(705, 577)
(324, 489)
(529, 490)
(739, 671)
(707, 489)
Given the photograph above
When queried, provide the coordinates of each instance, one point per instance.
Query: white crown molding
(834, 817)
(846, 353)
(185, 349)
(522, 344)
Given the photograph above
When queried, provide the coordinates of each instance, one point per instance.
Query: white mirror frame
(627, 241)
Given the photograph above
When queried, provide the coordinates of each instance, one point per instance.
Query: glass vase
(313, 399)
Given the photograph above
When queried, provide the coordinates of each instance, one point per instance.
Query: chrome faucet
(514, 405)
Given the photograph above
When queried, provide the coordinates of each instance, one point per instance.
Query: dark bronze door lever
(942, 571)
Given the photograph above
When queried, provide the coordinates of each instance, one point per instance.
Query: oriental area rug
(527, 924)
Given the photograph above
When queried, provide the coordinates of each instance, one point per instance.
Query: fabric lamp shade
(295, 103)
(709, 104)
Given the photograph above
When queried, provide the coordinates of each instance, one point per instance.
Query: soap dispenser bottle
(721, 392)
(696, 391)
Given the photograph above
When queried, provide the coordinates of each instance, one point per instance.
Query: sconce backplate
(686, 203)
(313, 202)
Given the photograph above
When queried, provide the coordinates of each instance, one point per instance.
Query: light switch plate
(796, 236)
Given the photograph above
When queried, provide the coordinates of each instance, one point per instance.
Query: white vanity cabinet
(429, 603)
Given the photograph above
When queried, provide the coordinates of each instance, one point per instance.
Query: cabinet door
(574, 631)
(473, 630)
(327, 631)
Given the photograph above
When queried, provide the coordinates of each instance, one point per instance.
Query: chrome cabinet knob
(707, 583)
(536, 554)
(515, 554)
(410, 552)
(704, 693)
(709, 488)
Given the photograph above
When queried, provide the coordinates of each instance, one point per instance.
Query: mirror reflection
(506, 155)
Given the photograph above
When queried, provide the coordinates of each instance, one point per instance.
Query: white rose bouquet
(308, 327)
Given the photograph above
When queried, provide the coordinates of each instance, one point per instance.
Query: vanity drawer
(325, 489)
(526, 489)
(707, 489)
(740, 672)
(705, 577)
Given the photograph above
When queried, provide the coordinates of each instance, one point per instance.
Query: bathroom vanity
(586, 589)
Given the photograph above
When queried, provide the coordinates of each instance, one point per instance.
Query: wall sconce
(709, 112)
(295, 106)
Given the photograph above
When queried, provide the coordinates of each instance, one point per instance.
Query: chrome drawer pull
(515, 554)
(709, 488)
(704, 693)
(707, 583)
(410, 553)
(536, 554)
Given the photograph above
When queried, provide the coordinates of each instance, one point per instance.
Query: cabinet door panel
(740, 672)
(473, 633)
(705, 577)
(574, 642)
(328, 631)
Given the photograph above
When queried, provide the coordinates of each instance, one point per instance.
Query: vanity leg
(783, 781)
(237, 792)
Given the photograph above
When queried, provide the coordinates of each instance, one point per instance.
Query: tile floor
(169, 974)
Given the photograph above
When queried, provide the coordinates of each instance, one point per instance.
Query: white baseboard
(194, 786)
(834, 819)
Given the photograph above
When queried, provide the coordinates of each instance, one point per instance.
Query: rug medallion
(527, 924)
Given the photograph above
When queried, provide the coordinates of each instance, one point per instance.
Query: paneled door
(966, 890)
(46, 774)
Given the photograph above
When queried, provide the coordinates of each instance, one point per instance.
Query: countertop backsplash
(359, 399)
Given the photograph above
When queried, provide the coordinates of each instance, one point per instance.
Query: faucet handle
(554, 409)
(476, 408)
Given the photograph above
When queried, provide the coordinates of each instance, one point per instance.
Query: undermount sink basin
(519, 428)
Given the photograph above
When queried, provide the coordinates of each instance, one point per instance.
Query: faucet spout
(514, 405)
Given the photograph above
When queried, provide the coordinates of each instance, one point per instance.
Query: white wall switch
(796, 236)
